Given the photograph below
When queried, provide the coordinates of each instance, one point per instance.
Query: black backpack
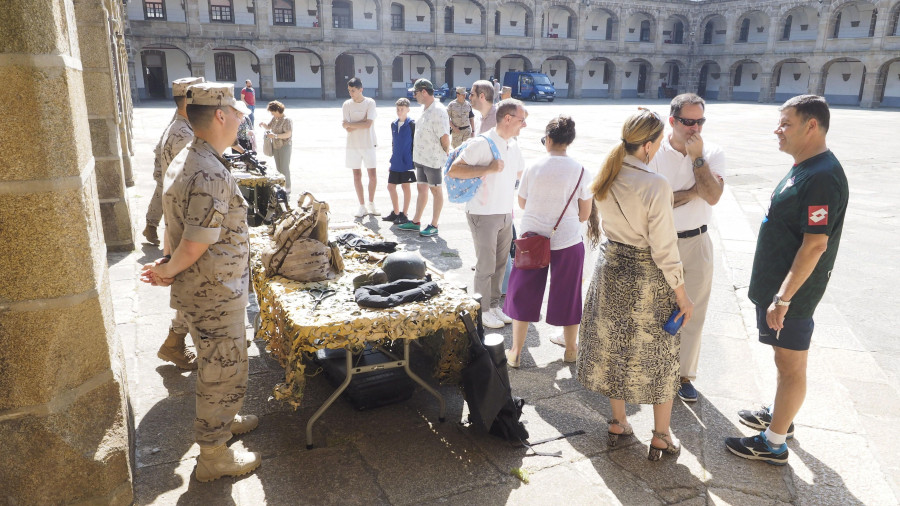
(492, 406)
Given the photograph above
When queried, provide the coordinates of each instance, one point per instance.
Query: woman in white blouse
(624, 353)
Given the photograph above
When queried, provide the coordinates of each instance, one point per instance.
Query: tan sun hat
(180, 86)
(217, 94)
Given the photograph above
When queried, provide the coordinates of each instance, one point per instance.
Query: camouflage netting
(291, 328)
(250, 180)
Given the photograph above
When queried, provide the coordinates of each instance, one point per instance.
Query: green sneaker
(429, 231)
(410, 225)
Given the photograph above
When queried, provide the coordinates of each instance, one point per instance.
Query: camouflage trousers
(155, 210)
(460, 136)
(222, 368)
(179, 324)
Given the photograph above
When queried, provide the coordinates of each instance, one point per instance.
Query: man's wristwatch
(698, 162)
(778, 301)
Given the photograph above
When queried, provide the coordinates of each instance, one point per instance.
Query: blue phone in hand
(672, 325)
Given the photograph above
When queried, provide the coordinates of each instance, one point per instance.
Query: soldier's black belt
(691, 233)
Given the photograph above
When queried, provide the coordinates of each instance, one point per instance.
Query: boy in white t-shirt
(359, 116)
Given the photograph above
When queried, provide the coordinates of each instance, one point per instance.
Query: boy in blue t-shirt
(401, 171)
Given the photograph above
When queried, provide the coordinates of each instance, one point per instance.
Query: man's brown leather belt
(691, 233)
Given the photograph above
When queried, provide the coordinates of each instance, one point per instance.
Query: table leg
(327, 404)
(442, 415)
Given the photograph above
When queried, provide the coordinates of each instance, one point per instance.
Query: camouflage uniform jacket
(203, 203)
(176, 137)
(460, 113)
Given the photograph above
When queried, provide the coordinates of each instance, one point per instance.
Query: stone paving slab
(399, 454)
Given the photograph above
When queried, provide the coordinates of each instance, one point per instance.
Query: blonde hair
(640, 128)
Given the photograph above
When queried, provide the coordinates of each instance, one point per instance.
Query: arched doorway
(708, 84)
(156, 78)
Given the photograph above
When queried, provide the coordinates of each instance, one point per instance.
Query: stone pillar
(619, 79)
(726, 87)
(576, 82)
(192, 19)
(437, 72)
(766, 88)
(266, 78)
(326, 21)
(329, 90)
(198, 68)
(868, 94)
(64, 421)
(100, 78)
(385, 85)
(816, 84)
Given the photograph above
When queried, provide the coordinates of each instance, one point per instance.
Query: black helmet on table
(404, 265)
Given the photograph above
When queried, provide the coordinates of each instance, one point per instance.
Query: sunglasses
(690, 122)
(651, 112)
(544, 140)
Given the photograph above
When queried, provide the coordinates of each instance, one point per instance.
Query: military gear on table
(404, 265)
(301, 251)
(396, 293)
(204, 204)
(360, 243)
(375, 277)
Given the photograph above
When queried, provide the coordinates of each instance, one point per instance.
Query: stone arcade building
(761, 50)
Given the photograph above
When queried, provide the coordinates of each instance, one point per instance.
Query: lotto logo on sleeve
(818, 215)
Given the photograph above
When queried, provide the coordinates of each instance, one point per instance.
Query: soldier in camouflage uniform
(206, 231)
(175, 137)
(462, 119)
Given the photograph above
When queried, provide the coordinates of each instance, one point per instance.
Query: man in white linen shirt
(430, 147)
(694, 170)
(489, 213)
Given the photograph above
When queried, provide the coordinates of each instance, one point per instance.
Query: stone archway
(361, 64)
(463, 69)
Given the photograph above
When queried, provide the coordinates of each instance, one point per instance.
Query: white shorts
(361, 158)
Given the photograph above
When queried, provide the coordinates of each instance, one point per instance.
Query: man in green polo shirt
(798, 242)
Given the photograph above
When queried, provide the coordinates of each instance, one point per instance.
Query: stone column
(329, 90)
(266, 78)
(766, 88)
(816, 84)
(437, 72)
(326, 21)
(198, 68)
(618, 80)
(192, 19)
(576, 82)
(99, 77)
(726, 87)
(868, 94)
(64, 421)
(385, 85)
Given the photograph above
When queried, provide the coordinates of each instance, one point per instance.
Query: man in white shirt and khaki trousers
(694, 170)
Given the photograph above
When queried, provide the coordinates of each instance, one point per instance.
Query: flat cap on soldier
(215, 94)
(460, 89)
(180, 86)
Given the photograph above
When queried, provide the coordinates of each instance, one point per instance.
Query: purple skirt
(525, 293)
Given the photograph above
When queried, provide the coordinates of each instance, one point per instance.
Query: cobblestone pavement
(843, 452)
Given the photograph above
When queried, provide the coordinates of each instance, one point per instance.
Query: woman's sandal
(672, 448)
(512, 360)
(560, 340)
(613, 437)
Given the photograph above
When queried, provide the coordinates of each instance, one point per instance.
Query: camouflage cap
(423, 84)
(180, 86)
(217, 94)
(460, 89)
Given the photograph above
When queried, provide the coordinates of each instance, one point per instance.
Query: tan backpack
(302, 251)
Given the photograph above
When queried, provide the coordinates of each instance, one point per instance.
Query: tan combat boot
(150, 234)
(243, 424)
(214, 463)
(175, 350)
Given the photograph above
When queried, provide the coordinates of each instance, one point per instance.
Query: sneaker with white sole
(361, 211)
(760, 419)
(758, 448)
(501, 315)
(370, 209)
(490, 320)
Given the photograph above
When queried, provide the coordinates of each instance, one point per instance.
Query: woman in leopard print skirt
(624, 353)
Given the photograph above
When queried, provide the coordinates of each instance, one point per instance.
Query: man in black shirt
(795, 252)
